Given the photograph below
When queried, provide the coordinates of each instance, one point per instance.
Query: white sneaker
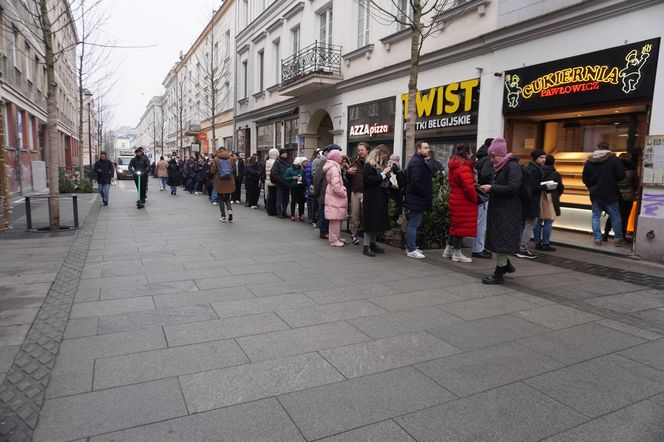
(447, 253)
(457, 256)
(254, 207)
(214, 203)
(222, 219)
(415, 254)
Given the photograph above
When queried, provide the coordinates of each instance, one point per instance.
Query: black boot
(497, 277)
(510, 267)
(374, 248)
(368, 252)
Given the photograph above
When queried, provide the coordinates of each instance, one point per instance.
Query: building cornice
(292, 12)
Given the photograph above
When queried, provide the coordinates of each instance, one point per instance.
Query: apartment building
(151, 129)
(23, 90)
(198, 99)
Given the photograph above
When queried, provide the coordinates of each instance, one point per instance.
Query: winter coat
(504, 218)
(239, 173)
(336, 198)
(549, 173)
(272, 157)
(419, 190)
(278, 170)
(318, 176)
(375, 214)
(252, 173)
(162, 169)
(627, 185)
(289, 177)
(200, 173)
(357, 181)
(307, 174)
(223, 186)
(139, 164)
(105, 171)
(531, 207)
(174, 174)
(463, 198)
(601, 174)
(483, 166)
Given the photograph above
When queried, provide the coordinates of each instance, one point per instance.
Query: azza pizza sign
(622, 73)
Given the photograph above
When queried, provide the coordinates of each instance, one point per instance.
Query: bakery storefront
(372, 123)
(566, 107)
(446, 116)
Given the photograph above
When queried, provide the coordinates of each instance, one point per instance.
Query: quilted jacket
(504, 220)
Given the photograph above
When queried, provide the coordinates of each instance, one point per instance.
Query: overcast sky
(170, 25)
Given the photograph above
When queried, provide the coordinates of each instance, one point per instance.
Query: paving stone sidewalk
(185, 329)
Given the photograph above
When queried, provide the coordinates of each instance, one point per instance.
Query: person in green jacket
(294, 178)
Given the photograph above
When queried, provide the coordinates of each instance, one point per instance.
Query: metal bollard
(74, 202)
(28, 213)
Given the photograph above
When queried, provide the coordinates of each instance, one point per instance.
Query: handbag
(547, 210)
(482, 196)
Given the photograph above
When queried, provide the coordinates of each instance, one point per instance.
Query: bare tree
(179, 110)
(423, 18)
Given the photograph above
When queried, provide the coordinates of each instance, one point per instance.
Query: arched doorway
(320, 124)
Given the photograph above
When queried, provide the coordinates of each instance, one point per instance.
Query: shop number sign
(445, 106)
(624, 72)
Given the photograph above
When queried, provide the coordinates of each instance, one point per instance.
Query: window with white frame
(325, 26)
(244, 73)
(227, 44)
(295, 39)
(363, 22)
(404, 12)
(260, 68)
(28, 62)
(276, 56)
(14, 37)
(244, 11)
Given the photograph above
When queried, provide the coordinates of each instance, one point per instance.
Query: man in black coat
(140, 163)
(277, 178)
(418, 196)
(531, 206)
(484, 169)
(239, 174)
(105, 172)
(601, 174)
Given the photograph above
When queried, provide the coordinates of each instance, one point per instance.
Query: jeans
(198, 186)
(478, 243)
(543, 228)
(528, 228)
(162, 182)
(414, 221)
(613, 210)
(104, 191)
(312, 206)
(282, 200)
(323, 224)
(174, 190)
(213, 195)
(224, 200)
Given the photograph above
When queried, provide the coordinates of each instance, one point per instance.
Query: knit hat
(498, 147)
(297, 161)
(331, 147)
(334, 155)
(282, 151)
(535, 154)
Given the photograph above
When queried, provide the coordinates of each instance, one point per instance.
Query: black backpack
(526, 189)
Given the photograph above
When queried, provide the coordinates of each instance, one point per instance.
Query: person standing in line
(174, 176)
(357, 186)
(105, 173)
(397, 187)
(270, 187)
(320, 184)
(239, 174)
(627, 187)
(544, 227)
(484, 171)
(277, 178)
(223, 169)
(162, 173)
(140, 163)
(601, 174)
(336, 197)
(418, 196)
(200, 176)
(504, 219)
(312, 201)
(294, 179)
(463, 202)
(531, 207)
(375, 212)
(252, 182)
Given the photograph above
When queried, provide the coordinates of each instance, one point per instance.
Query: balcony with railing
(313, 67)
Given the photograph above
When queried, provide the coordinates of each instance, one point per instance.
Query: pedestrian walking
(601, 173)
(336, 197)
(162, 173)
(544, 227)
(294, 178)
(140, 163)
(484, 171)
(252, 180)
(462, 202)
(223, 169)
(418, 195)
(357, 185)
(105, 173)
(270, 187)
(504, 219)
(277, 172)
(174, 176)
(375, 213)
(239, 175)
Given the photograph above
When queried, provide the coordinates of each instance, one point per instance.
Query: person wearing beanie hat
(484, 169)
(277, 178)
(294, 178)
(531, 207)
(504, 217)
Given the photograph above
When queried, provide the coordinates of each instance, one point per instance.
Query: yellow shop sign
(450, 99)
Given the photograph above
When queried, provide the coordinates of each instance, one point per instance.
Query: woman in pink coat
(336, 199)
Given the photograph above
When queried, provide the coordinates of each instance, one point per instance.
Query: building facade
(151, 129)
(23, 90)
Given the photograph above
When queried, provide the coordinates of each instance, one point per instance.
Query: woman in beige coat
(161, 172)
(224, 185)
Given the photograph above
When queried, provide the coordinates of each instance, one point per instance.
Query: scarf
(502, 163)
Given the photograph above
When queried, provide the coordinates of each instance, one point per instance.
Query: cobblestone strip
(22, 392)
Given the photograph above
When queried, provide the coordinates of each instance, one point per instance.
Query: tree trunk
(80, 95)
(53, 145)
(412, 80)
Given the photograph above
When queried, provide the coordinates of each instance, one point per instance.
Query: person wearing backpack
(504, 219)
(277, 172)
(223, 169)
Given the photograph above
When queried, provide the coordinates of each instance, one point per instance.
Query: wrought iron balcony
(318, 59)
